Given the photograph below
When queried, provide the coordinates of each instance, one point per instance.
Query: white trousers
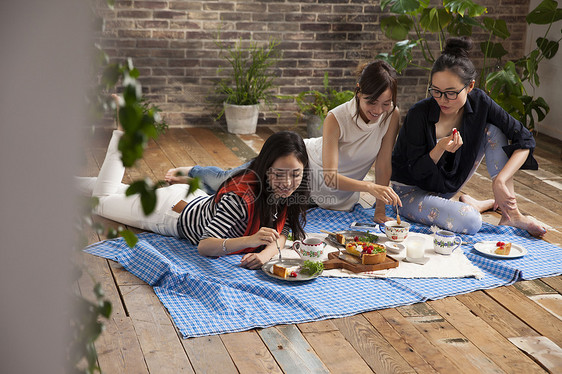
(115, 205)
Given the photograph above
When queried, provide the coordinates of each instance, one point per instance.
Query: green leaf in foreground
(130, 238)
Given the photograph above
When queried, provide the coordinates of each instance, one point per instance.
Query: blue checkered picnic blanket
(207, 296)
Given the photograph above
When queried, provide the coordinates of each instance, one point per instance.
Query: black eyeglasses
(450, 95)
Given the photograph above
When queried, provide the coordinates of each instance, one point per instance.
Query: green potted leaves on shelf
(314, 105)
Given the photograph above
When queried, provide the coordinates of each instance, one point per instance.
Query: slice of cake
(284, 272)
(280, 271)
(340, 239)
(502, 248)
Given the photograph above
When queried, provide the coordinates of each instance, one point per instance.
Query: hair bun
(458, 47)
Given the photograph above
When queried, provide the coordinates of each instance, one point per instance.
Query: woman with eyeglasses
(443, 140)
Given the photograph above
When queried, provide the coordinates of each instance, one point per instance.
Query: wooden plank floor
(513, 329)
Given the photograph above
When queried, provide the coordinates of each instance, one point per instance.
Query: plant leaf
(111, 75)
(545, 13)
(193, 185)
(493, 50)
(548, 48)
(111, 233)
(531, 68)
(498, 27)
(538, 106)
(130, 238)
(396, 27)
(134, 73)
(462, 26)
(464, 8)
(98, 290)
(504, 83)
(148, 201)
(435, 19)
(137, 187)
(541, 107)
(404, 6)
(401, 55)
(105, 309)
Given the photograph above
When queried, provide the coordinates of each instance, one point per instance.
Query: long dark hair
(455, 57)
(280, 144)
(375, 78)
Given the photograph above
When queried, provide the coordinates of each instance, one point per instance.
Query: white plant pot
(241, 119)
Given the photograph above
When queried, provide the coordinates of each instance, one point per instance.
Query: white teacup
(394, 231)
(310, 248)
(445, 242)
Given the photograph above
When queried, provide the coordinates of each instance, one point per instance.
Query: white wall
(550, 73)
(42, 72)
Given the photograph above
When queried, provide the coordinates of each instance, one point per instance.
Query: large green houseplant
(248, 85)
(458, 18)
(314, 105)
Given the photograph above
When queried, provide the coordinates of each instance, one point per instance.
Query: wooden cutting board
(354, 264)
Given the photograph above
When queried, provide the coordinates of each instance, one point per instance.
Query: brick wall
(173, 44)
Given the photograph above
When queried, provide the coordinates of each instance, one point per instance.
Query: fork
(278, 249)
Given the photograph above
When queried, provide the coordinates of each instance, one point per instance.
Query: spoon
(398, 220)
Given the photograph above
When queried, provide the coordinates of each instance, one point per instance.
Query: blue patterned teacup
(445, 242)
(310, 249)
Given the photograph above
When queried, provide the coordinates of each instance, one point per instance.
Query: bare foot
(178, 175)
(523, 222)
(480, 205)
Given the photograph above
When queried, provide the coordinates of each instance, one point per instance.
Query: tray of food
(360, 256)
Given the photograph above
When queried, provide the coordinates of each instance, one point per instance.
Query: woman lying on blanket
(444, 139)
(355, 134)
(251, 213)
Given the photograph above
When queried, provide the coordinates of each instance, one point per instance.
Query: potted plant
(314, 105)
(248, 85)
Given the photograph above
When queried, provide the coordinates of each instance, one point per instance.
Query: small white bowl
(394, 247)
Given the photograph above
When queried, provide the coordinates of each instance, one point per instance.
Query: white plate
(268, 266)
(488, 248)
(394, 247)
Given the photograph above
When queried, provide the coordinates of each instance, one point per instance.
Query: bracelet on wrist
(224, 245)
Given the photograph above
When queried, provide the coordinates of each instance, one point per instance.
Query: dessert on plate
(502, 248)
(340, 238)
(284, 272)
(370, 253)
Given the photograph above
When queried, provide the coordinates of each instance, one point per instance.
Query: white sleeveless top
(359, 144)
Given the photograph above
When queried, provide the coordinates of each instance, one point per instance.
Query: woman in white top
(355, 135)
